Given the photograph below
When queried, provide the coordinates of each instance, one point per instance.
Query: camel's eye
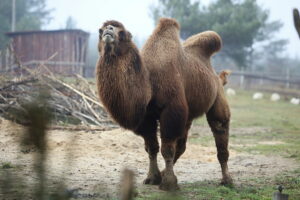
(100, 31)
(122, 35)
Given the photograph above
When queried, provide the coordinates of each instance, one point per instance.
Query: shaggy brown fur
(171, 84)
(122, 80)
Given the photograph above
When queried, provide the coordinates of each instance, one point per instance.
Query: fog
(135, 15)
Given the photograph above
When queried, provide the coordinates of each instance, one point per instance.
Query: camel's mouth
(108, 36)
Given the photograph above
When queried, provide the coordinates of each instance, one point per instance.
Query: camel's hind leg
(181, 142)
(147, 130)
(218, 118)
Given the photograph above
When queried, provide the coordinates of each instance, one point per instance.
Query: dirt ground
(92, 162)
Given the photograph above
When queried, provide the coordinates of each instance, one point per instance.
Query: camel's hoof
(169, 183)
(227, 181)
(168, 187)
(152, 180)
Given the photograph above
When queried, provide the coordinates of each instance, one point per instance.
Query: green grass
(6, 165)
(248, 189)
(280, 122)
(281, 119)
(265, 113)
(246, 112)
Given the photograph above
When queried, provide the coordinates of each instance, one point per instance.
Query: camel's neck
(120, 69)
(123, 87)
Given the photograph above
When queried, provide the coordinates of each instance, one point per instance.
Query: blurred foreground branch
(127, 185)
(297, 20)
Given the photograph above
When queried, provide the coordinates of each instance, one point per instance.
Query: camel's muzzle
(108, 36)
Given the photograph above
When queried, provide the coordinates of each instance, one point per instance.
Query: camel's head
(112, 36)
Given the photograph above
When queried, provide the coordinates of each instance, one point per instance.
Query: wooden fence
(10, 62)
(259, 79)
(245, 80)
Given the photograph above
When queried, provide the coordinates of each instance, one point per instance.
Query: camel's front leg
(169, 180)
(148, 130)
(152, 147)
(172, 125)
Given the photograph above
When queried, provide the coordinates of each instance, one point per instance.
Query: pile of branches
(71, 100)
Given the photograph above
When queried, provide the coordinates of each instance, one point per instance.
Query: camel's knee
(168, 150)
(219, 126)
(180, 147)
(151, 147)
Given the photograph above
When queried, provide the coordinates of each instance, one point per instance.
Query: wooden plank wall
(69, 48)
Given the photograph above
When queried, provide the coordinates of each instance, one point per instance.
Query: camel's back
(158, 55)
(176, 73)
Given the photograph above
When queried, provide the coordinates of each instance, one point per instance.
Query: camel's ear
(100, 33)
(223, 76)
(129, 36)
(125, 36)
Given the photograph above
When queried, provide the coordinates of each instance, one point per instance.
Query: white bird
(295, 101)
(275, 97)
(230, 92)
(257, 96)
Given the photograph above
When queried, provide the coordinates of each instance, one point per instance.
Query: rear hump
(207, 43)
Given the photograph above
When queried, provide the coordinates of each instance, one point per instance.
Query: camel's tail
(223, 76)
(207, 42)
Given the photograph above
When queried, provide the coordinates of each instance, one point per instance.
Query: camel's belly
(200, 98)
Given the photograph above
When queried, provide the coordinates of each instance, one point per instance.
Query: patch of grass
(247, 112)
(282, 118)
(156, 196)
(285, 150)
(216, 192)
(248, 189)
(203, 140)
(6, 165)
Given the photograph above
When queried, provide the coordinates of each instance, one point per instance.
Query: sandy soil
(93, 161)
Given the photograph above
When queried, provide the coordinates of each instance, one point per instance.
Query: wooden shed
(63, 51)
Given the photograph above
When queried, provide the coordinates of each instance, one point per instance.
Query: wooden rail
(264, 77)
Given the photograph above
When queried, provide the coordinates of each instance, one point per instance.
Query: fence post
(261, 80)
(7, 59)
(287, 85)
(242, 79)
(1, 64)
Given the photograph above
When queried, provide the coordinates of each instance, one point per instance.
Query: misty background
(258, 35)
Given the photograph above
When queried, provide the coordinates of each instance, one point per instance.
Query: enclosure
(64, 51)
(59, 142)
